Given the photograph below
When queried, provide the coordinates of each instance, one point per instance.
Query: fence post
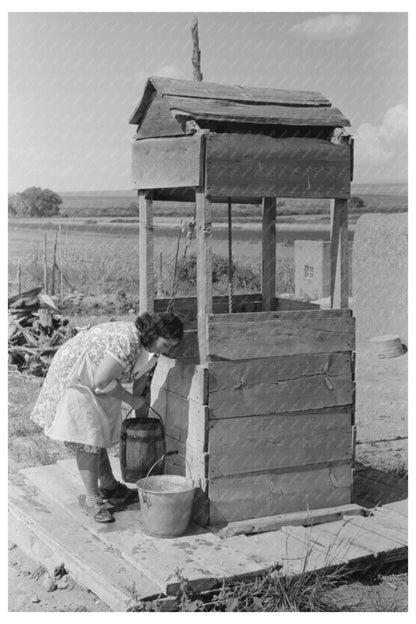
(45, 264)
(61, 287)
(54, 265)
(160, 274)
(19, 277)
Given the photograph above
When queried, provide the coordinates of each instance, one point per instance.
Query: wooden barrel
(142, 443)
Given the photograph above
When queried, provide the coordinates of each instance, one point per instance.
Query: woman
(80, 401)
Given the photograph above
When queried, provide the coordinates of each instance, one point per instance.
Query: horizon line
(125, 190)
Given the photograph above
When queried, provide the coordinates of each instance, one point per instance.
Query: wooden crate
(266, 425)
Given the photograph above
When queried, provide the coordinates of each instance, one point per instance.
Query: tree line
(38, 202)
(34, 202)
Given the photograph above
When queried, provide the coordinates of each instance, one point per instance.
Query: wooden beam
(146, 292)
(280, 384)
(223, 110)
(241, 339)
(48, 535)
(187, 88)
(268, 274)
(262, 166)
(160, 557)
(339, 253)
(166, 162)
(272, 442)
(310, 517)
(196, 52)
(185, 379)
(272, 492)
(204, 269)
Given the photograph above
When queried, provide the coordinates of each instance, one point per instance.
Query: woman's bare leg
(105, 472)
(88, 466)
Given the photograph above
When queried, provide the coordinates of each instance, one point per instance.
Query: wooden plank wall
(288, 333)
(186, 307)
(223, 110)
(167, 162)
(158, 122)
(179, 394)
(264, 434)
(263, 166)
(280, 426)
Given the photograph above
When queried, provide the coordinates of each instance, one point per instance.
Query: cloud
(164, 71)
(382, 149)
(171, 71)
(332, 26)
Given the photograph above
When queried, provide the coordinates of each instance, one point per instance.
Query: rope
(175, 273)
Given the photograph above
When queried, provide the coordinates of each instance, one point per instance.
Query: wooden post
(19, 277)
(204, 269)
(146, 270)
(45, 263)
(230, 259)
(54, 264)
(160, 274)
(268, 274)
(61, 274)
(196, 52)
(339, 253)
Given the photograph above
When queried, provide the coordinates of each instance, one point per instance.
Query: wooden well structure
(260, 401)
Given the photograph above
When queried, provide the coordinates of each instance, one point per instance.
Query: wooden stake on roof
(196, 54)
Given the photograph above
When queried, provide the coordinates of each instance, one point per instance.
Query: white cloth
(84, 417)
(144, 362)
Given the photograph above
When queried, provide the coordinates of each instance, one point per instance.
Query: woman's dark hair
(152, 326)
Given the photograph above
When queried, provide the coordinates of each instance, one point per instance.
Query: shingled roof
(233, 103)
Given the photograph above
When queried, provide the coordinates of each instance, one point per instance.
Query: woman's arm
(106, 382)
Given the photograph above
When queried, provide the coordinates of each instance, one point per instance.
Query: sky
(74, 79)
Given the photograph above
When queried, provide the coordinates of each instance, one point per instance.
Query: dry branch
(36, 330)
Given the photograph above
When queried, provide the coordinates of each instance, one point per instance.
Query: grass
(28, 446)
(271, 592)
(334, 589)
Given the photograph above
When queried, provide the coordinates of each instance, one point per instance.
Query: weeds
(400, 470)
(269, 593)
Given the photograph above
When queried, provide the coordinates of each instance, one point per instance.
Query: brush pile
(36, 330)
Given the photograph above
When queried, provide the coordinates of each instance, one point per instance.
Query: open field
(99, 244)
(103, 257)
(383, 197)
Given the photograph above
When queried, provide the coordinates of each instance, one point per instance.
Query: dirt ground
(30, 589)
(381, 419)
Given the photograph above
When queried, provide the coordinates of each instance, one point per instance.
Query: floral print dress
(67, 407)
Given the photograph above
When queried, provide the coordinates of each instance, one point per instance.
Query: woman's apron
(82, 416)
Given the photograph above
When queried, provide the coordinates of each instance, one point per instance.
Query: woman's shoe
(99, 511)
(120, 495)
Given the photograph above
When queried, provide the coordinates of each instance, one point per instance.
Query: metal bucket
(388, 345)
(165, 503)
